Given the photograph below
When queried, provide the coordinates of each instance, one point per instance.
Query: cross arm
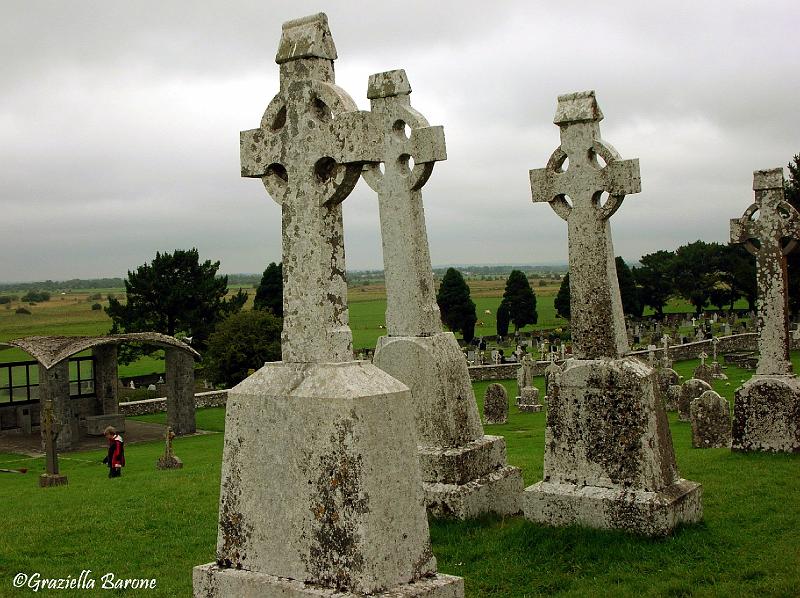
(428, 144)
(357, 137)
(623, 177)
(543, 189)
(257, 150)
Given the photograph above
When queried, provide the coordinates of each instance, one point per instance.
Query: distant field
(71, 315)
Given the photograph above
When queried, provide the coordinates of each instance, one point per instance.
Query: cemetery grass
(159, 524)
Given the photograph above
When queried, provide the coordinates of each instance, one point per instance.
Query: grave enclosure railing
(19, 380)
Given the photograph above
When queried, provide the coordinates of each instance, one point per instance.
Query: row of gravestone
(329, 463)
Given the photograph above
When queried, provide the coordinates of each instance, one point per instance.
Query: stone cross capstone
(770, 229)
(408, 159)
(573, 183)
(309, 152)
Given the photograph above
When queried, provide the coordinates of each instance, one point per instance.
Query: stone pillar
(609, 461)
(54, 386)
(766, 409)
(106, 378)
(180, 391)
(464, 471)
(321, 491)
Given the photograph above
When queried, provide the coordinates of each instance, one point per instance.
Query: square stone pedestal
(212, 580)
(766, 415)
(320, 485)
(609, 461)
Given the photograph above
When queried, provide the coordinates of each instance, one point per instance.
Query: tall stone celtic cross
(575, 193)
(410, 149)
(770, 229)
(309, 152)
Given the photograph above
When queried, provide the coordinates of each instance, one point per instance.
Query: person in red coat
(116, 452)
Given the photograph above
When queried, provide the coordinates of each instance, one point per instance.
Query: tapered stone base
(609, 461)
(46, 480)
(320, 481)
(464, 471)
(646, 513)
(211, 581)
(766, 415)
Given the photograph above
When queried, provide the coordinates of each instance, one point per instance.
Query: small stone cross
(168, 436)
(575, 194)
(703, 357)
(309, 152)
(408, 160)
(770, 229)
(714, 343)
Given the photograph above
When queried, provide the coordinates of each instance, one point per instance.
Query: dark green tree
(792, 191)
(654, 280)
(561, 302)
(241, 342)
(269, 294)
(502, 319)
(175, 294)
(520, 300)
(455, 305)
(695, 272)
(737, 273)
(629, 293)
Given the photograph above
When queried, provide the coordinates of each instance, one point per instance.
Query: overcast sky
(119, 122)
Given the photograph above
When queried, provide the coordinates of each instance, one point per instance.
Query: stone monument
(169, 460)
(495, 404)
(609, 461)
(711, 421)
(766, 408)
(51, 476)
(321, 493)
(690, 390)
(464, 472)
(703, 371)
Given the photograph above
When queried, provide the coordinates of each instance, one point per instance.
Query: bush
(96, 307)
(242, 342)
(95, 297)
(35, 296)
(23, 310)
(7, 299)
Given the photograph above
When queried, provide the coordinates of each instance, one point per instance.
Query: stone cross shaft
(575, 192)
(770, 229)
(410, 149)
(309, 152)
(50, 435)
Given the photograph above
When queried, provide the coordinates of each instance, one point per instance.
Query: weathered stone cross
(411, 308)
(770, 229)
(309, 152)
(575, 194)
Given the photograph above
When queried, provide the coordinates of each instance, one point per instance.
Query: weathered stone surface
(495, 404)
(766, 410)
(673, 397)
(106, 378)
(50, 425)
(525, 374)
(338, 505)
(690, 390)
(212, 580)
(552, 374)
(54, 386)
(764, 229)
(169, 460)
(179, 366)
(609, 461)
(528, 401)
(451, 443)
(766, 415)
(711, 421)
(321, 480)
(416, 352)
(704, 372)
(666, 377)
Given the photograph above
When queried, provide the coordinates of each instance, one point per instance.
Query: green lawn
(161, 523)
